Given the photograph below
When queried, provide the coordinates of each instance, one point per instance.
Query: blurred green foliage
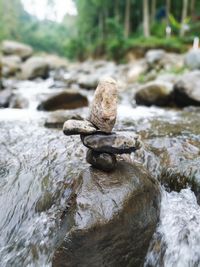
(99, 29)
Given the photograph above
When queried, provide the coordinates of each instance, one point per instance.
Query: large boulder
(110, 218)
(156, 93)
(192, 59)
(14, 48)
(35, 67)
(69, 99)
(187, 89)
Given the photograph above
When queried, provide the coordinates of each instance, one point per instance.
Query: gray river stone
(186, 90)
(101, 161)
(110, 218)
(72, 127)
(155, 93)
(117, 143)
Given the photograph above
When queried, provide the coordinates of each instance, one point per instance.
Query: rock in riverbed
(35, 67)
(186, 90)
(110, 219)
(103, 111)
(14, 48)
(117, 143)
(69, 99)
(72, 127)
(155, 93)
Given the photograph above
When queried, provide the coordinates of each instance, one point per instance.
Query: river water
(36, 166)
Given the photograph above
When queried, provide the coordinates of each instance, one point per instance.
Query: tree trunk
(184, 15)
(117, 10)
(153, 10)
(192, 8)
(101, 26)
(127, 19)
(146, 18)
(168, 5)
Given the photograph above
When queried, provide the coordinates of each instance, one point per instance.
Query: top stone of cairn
(103, 111)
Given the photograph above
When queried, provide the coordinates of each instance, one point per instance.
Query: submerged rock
(101, 161)
(69, 99)
(103, 111)
(72, 127)
(117, 143)
(186, 90)
(155, 93)
(35, 67)
(110, 218)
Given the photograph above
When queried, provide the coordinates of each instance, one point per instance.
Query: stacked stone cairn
(96, 132)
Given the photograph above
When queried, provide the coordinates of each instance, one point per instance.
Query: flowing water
(36, 166)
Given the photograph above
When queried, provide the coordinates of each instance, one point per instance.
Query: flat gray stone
(72, 127)
(116, 143)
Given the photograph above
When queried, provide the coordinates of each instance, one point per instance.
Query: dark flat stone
(116, 143)
(101, 161)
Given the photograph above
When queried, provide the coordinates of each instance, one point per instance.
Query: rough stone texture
(70, 99)
(110, 218)
(103, 111)
(117, 143)
(35, 67)
(72, 127)
(15, 48)
(192, 59)
(186, 90)
(101, 161)
(155, 93)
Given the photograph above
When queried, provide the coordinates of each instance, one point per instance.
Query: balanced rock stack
(96, 132)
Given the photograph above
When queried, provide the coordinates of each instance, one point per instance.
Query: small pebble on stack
(96, 132)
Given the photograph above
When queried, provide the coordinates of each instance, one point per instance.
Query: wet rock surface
(186, 90)
(72, 127)
(100, 204)
(102, 161)
(155, 93)
(69, 99)
(117, 143)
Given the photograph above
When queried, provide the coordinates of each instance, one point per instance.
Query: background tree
(146, 18)
(184, 16)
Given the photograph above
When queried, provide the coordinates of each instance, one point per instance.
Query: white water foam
(179, 229)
